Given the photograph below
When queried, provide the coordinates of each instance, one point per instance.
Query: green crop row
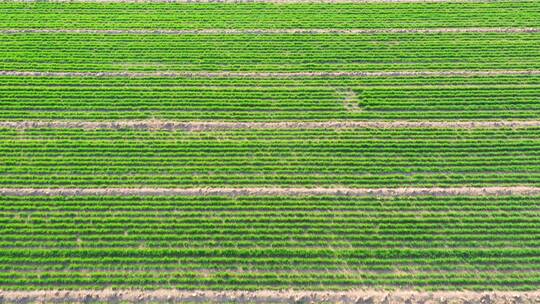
(271, 180)
(345, 279)
(251, 83)
(269, 280)
(289, 266)
(439, 136)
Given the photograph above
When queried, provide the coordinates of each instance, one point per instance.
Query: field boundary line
(258, 1)
(275, 74)
(274, 31)
(267, 296)
(157, 125)
(370, 192)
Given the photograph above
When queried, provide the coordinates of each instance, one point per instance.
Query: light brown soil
(346, 297)
(268, 1)
(278, 31)
(374, 192)
(464, 73)
(217, 125)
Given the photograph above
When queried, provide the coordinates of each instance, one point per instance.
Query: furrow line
(372, 192)
(275, 74)
(275, 31)
(157, 125)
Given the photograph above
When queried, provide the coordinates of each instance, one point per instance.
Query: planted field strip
(269, 53)
(349, 158)
(174, 16)
(304, 99)
(269, 242)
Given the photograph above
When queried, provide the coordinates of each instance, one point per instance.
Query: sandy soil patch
(444, 73)
(347, 297)
(194, 126)
(374, 192)
(276, 31)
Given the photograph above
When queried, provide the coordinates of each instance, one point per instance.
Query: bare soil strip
(468, 191)
(267, 1)
(275, 74)
(275, 31)
(346, 297)
(194, 126)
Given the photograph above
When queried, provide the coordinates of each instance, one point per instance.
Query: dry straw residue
(443, 73)
(155, 125)
(264, 296)
(374, 192)
(277, 31)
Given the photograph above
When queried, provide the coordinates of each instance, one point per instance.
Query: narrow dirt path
(374, 192)
(268, 1)
(156, 125)
(345, 297)
(276, 74)
(276, 31)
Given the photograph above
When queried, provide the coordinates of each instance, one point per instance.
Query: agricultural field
(291, 151)
(270, 242)
(364, 158)
(247, 99)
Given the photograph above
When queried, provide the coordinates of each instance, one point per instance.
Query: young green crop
(276, 241)
(246, 99)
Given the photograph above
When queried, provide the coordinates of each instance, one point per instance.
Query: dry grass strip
(345, 297)
(275, 31)
(156, 125)
(373, 192)
(443, 73)
(263, 1)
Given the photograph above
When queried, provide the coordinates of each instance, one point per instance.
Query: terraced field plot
(251, 148)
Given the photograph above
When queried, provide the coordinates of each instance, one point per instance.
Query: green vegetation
(276, 52)
(267, 158)
(270, 99)
(84, 62)
(506, 13)
(269, 242)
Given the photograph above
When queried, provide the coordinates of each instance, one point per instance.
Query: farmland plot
(353, 152)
